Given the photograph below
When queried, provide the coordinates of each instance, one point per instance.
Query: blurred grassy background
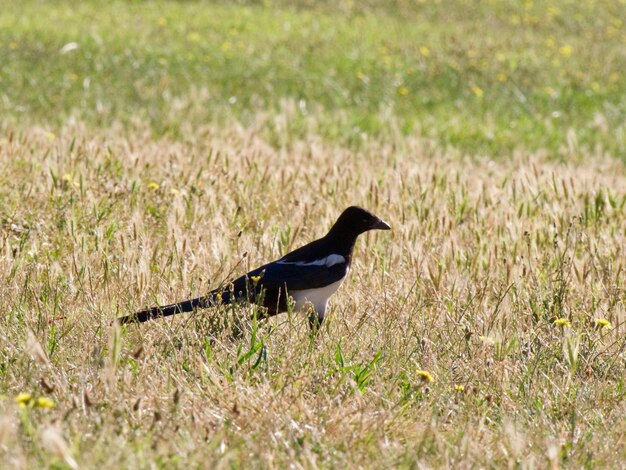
(485, 76)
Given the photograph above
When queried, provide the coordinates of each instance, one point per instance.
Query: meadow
(152, 150)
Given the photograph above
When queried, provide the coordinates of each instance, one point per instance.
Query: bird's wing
(293, 276)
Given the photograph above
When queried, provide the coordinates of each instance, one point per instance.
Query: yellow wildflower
(24, 399)
(602, 323)
(43, 402)
(501, 77)
(162, 22)
(425, 376)
(562, 322)
(255, 279)
(478, 91)
(424, 51)
(459, 388)
(403, 91)
(153, 185)
(565, 51)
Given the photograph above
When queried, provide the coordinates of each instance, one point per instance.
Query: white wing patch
(329, 261)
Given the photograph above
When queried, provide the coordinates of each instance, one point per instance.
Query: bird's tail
(212, 298)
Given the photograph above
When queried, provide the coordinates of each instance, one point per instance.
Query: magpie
(306, 277)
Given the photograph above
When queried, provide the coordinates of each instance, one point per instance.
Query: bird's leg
(315, 320)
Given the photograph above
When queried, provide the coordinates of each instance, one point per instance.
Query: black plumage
(309, 274)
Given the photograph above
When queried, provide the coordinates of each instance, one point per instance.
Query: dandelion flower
(562, 322)
(425, 376)
(24, 399)
(565, 51)
(153, 185)
(602, 323)
(255, 279)
(43, 402)
(478, 91)
(424, 51)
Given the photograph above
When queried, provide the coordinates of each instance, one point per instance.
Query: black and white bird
(308, 275)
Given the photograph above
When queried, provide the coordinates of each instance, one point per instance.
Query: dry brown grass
(483, 256)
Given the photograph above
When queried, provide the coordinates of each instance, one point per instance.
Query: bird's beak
(381, 225)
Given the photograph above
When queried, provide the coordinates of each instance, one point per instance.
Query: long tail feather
(168, 310)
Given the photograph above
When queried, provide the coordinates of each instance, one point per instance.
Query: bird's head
(356, 220)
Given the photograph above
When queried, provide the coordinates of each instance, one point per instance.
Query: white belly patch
(318, 298)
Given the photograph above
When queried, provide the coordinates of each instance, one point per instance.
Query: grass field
(484, 76)
(176, 145)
